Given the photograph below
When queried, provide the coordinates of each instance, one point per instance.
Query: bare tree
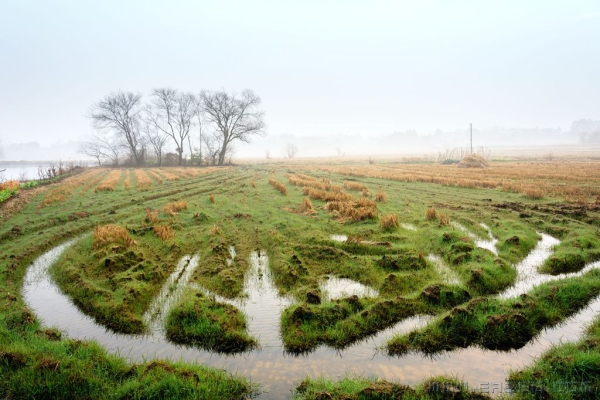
(211, 144)
(101, 148)
(157, 140)
(119, 114)
(172, 113)
(235, 118)
(291, 150)
(268, 153)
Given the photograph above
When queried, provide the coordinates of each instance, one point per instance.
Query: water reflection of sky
(278, 372)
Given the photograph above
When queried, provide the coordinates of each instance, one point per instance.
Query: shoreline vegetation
(138, 223)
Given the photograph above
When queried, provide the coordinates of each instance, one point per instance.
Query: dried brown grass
(430, 213)
(168, 175)
(152, 216)
(389, 221)
(215, 230)
(278, 185)
(381, 197)
(67, 187)
(444, 219)
(127, 181)
(10, 185)
(175, 207)
(307, 205)
(105, 235)
(359, 187)
(142, 180)
(473, 161)
(164, 232)
(212, 198)
(110, 182)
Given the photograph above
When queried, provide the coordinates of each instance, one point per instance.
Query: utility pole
(471, 124)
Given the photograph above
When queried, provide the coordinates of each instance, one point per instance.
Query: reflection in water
(276, 371)
(447, 275)
(488, 244)
(527, 270)
(169, 294)
(333, 288)
(339, 238)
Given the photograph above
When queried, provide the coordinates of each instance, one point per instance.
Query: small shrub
(389, 221)
(164, 232)
(278, 185)
(380, 196)
(431, 213)
(112, 234)
(174, 208)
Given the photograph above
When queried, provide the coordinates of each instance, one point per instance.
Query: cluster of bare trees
(205, 126)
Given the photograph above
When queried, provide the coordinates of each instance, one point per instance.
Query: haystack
(473, 161)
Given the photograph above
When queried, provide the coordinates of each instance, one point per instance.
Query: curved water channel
(270, 366)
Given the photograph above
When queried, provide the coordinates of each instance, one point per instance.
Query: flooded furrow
(270, 366)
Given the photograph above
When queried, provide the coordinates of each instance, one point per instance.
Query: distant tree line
(587, 129)
(129, 131)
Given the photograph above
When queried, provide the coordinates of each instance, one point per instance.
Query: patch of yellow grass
(164, 232)
(127, 181)
(359, 187)
(10, 185)
(154, 175)
(389, 221)
(110, 182)
(142, 181)
(278, 185)
(430, 213)
(175, 207)
(444, 219)
(105, 235)
(381, 197)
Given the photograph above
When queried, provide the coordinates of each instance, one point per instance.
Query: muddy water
(276, 371)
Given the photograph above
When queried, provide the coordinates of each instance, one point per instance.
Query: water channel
(270, 366)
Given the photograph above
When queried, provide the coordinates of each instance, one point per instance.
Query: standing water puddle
(488, 244)
(335, 288)
(270, 366)
(445, 272)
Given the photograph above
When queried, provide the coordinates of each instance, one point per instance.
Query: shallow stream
(270, 366)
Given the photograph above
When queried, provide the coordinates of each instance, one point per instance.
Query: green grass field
(291, 212)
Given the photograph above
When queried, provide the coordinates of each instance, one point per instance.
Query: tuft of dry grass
(473, 161)
(212, 198)
(444, 219)
(307, 205)
(381, 196)
(164, 232)
(533, 193)
(175, 207)
(154, 175)
(112, 235)
(431, 213)
(253, 183)
(389, 221)
(278, 185)
(151, 216)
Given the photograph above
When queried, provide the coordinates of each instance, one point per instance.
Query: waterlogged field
(289, 275)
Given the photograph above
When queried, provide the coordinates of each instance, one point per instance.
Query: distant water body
(28, 170)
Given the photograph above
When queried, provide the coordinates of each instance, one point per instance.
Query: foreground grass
(567, 371)
(497, 324)
(362, 389)
(208, 324)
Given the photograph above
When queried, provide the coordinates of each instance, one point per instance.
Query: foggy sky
(321, 67)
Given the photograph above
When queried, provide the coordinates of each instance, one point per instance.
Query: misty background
(335, 77)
